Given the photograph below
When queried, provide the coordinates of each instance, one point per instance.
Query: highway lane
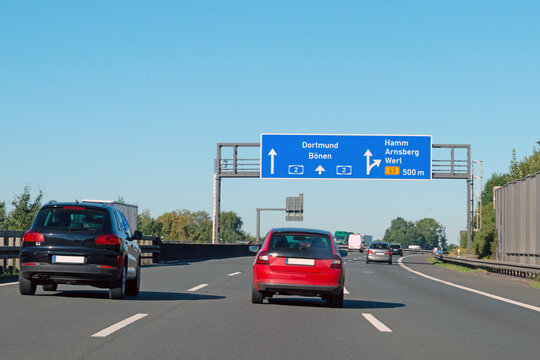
(218, 321)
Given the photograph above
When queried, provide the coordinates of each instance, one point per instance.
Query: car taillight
(370, 252)
(32, 236)
(109, 239)
(262, 259)
(388, 252)
(336, 262)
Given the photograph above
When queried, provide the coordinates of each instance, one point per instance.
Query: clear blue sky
(100, 99)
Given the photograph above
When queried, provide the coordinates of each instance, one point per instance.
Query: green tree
(148, 225)
(494, 180)
(427, 233)
(400, 231)
(231, 227)
(24, 210)
(2, 214)
(484, 242)
(529, 165)
(430, 234)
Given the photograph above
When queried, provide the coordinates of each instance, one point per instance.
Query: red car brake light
(370, 252)
(336, 262)
(388, 252)
(32, 236)
(262, 259)
(109, 239)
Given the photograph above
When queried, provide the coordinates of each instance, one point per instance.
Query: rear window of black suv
(72, 218)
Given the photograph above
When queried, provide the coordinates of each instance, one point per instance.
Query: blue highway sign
(326, 156)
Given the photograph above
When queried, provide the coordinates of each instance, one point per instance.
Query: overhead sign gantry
(380, 156)
(329, 156)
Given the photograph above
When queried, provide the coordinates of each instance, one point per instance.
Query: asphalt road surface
(203, 310)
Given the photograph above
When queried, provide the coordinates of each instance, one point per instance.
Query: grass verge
(454, 267)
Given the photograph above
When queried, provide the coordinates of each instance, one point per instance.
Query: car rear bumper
(380, 258)
(91, 274)
(300, 289)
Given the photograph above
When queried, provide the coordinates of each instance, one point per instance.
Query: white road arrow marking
(376, 162)
(320, 169)
(272, 153)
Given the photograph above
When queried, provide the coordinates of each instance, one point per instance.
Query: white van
(355, 242)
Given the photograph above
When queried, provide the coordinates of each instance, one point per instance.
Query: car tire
(50, 287)
(367, 261)
(256, 296)
(133, 285)
(336, 301)
(390, 262)
(26, 286)
(117, 291)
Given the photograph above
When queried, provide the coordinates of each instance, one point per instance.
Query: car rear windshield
(301, 245)
(72, 218)
(379, 246)
(395, 246)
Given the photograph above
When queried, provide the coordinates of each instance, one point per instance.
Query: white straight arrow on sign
(376, 162)
(320, 169)
(272, 153)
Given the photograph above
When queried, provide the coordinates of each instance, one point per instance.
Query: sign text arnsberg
(324, 156)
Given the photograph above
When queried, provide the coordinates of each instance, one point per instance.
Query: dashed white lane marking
(10, 283)
(119, 325)
(234, 273)
(496, 297)
(345, 291)
(368, 272)
(379, 325)
(198, 287)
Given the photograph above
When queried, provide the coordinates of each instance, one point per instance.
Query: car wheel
(118, 289)
(26, 286)
(50, 287)
(133, 285)
(256, 296)
(390, 262)
(367, 261)
(336, 301)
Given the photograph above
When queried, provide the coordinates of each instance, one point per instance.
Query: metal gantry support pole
(469, 201)
(230, 168)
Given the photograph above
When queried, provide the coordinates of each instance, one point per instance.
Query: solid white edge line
(478, 292)
(197, 287)
(234, 273)
(345, 291)
(119, 325)
(379, 325)
(9, 283)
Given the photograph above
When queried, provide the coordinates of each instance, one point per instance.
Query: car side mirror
(253, 248)
(137, 235)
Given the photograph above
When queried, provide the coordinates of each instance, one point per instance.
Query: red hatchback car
(294, 261)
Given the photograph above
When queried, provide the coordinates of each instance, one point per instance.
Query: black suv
(397, 249)
(81, 244)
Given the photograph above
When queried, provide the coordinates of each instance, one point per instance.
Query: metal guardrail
(507, 268)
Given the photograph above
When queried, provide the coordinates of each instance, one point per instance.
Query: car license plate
(296, 261)
(379, 253)
(68, 259)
